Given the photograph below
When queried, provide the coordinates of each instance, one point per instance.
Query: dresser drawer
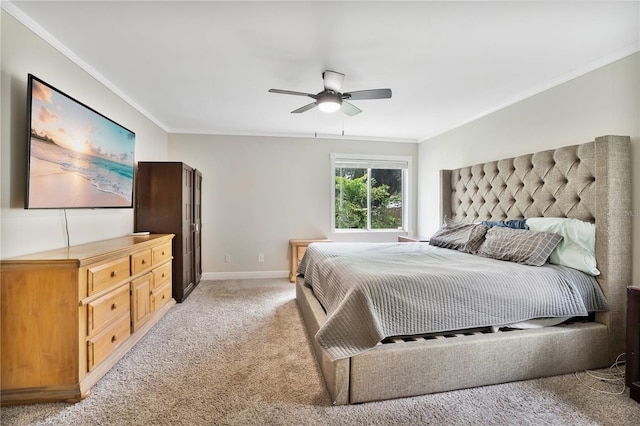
(100, 346)
(161, 253)
(160, 297)
(107, 274)
(107, 309)
(161, 276)
(140, 261)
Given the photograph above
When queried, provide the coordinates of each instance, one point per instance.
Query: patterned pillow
(465, 237)
(519, 245)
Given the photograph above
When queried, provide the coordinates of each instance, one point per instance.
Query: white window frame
(373, 161)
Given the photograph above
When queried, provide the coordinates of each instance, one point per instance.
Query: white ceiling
(206, 66)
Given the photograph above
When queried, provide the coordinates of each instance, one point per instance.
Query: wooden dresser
(69, 315)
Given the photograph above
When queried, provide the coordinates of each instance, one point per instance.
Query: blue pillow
(515, 224)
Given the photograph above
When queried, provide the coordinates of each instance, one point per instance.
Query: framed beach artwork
(77, 157)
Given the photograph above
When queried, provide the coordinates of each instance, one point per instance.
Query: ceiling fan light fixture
(331, 99)
(329, 103)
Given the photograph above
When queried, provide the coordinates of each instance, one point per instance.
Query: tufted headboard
(590, 182)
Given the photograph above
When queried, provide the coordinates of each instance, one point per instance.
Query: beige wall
(259, 192)
(253, 186)
(602, 102)
(26, 231)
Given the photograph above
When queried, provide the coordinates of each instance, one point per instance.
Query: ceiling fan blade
(304, 108)
(368, 94)
(350, 109)
(291, 92)
(332, 80)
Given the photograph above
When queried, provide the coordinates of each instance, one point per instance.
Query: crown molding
(23, 18)
(315, 136)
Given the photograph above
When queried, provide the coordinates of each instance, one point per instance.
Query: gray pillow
(465, 237)
(519, 245)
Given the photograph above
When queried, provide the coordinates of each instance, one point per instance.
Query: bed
(589, 182)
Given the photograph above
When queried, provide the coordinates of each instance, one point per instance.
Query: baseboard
(244, 275)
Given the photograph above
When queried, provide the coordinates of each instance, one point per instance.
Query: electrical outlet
(227, 258)
(260, 257)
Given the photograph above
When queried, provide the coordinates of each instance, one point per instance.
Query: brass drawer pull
(114, 338)
(114, 306)
(114, 273)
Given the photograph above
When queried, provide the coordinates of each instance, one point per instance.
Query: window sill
(369, 231)
(365, 236)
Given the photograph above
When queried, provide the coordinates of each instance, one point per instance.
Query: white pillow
(578, 247)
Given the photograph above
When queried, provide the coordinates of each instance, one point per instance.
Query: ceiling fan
(330, 99)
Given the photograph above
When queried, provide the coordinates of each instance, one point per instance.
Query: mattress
(372, 291)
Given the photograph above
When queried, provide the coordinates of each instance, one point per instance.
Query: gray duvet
(371, 291)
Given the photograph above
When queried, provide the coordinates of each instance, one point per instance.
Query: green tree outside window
(368, 203)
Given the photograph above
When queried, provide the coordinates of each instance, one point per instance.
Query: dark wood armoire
(168, 201)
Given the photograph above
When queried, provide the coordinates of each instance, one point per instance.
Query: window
(370, 192)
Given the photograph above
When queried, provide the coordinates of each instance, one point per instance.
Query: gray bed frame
(591, 182)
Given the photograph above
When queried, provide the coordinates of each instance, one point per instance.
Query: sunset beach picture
(77, 157)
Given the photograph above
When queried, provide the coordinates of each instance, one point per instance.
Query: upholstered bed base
(424, 366)
(590, 182)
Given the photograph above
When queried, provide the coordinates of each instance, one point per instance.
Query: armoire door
(187, 229)
(197, 230)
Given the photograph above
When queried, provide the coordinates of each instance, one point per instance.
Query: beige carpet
(236, 353)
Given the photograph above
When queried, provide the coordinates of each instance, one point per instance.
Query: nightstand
(633, 342)
(413, 239)
(298, 247)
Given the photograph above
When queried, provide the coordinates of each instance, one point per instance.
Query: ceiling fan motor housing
(329, 100)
